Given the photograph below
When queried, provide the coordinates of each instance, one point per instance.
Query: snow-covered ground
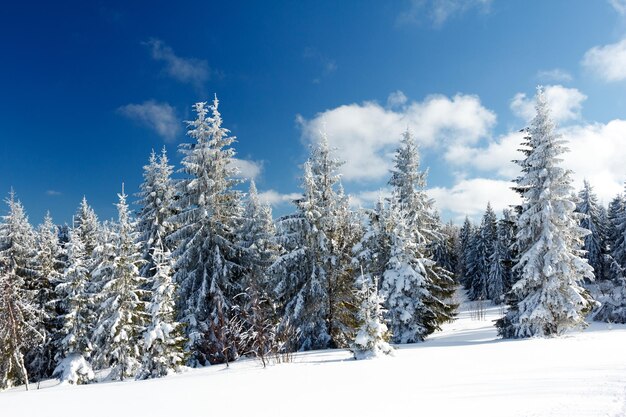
(464, 370)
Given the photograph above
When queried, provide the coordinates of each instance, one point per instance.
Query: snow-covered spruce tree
(485, 240)
(406, 285)
(49, 269)
(499, 268)
(613, 291)
(373, 251)
(614, 268)
(445, 249)
(86, 227)
(594, 242)
(74, 345)
(463, 248)
(20, 317)
(122, 317)
(156, 200)
(163, 340)
(507, 230)
(372, 335)
(417, 290)
(257, 237)
(548, 298)
(207, 266)
(315, 276)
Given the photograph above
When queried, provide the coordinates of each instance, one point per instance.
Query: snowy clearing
(463, 370)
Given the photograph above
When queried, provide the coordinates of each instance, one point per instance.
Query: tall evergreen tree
(122, 317)
(20, 317)
(499, 269)
(49, 270)
(163, 341)
(315, 275)
(157, 204)
(484, 249)
(417, 290)
(373, 251)
(548, 298)
(74, 345)
(464, 252)
(258, 238)
(594, 242)
(207, 267)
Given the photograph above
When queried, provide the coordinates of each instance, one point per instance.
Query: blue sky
(87, 89)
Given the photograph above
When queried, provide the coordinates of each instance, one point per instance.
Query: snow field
(464, 370)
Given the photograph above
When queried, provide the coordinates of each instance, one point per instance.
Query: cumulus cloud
(275, 198)
(160, 117)
(497, 157)
(368, 198)
(187, 70)
(608, 62)
(555, 75)
(596, 153)
(470, 197)
(565, 103)
(396, 99)
(53, 193)
(367, 134)
(439, 11)
(248, 169)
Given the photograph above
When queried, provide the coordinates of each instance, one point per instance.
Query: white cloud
(275, 198)
(497, 157)
(608, 61)
(187, 70)
(439, 11)
(53, 193)
(565, 103)
(619, 6)
(470, 197)
(597, 153)
(555, 75)
(367, 134)
(396, 99)
(160, 117)
(369, 198)
(247, 169)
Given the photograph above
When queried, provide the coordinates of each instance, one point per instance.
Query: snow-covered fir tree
(548, 298)
(86, 227)
(49, 270)
(163, 340)
(499, 267)
(372, 335)
(20, 315)
(315, 276)
(486, 237)
(591, 220)
(405, 287)
(207, 266)
(417, 290)
(156, 200)
(258, 238)
(445, 249)
(373, 251)
(463, 248)
(122, 316)
(507, 230)
(77, 321)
